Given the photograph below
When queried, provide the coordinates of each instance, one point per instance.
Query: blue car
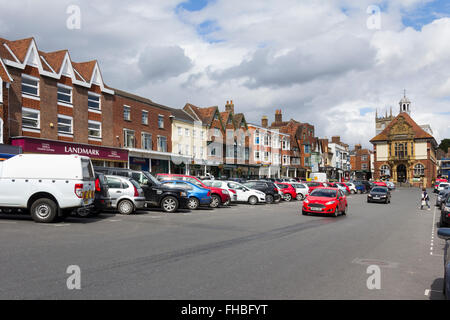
(198, 196)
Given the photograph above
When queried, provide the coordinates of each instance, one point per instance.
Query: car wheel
(269, 199)
(125, 207)
(278, 200)
(336, 212)
(193, 203)
(169, 204)
(253, 200)
(84, 213)
(352, 192)
(44, 210)
(215, 201)
(287, 197)
(227, 203)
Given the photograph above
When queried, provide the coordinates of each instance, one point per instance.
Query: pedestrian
(425, 200)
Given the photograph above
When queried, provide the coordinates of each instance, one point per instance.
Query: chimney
(336, 139)
(358, 147)
(264, 122)
(278, 116)
(229, 107)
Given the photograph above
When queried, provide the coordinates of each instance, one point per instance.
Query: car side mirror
(444, 233)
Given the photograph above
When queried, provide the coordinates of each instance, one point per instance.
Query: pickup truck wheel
(44, 210)
(269, 199)
(253, 200)
(215, 201)
(193, 203)
(169, 204)
(125, 207)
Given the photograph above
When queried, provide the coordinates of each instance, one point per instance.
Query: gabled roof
(4, 74)
(54, 59)
(182, 115)
(86, 69)
(238, 118)
(19, 47)
(419, 133)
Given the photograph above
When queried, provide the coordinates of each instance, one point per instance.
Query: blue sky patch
(194, 5)
(364, 111)
(426, 14)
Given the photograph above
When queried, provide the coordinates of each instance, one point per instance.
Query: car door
(241, 193)
(115, 189)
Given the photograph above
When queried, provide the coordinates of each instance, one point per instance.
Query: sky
(331, 63)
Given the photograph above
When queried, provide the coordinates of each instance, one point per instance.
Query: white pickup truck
(46, 186)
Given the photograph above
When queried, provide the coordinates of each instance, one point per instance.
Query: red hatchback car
(289, 191)
(380, 183)
(325, 200)
(218, 196)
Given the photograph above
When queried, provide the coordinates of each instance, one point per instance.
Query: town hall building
(404, 151)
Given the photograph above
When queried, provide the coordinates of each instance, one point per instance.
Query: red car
(288, 190)
(325, 200)
(314, 185)
(218, 196)
(345, 186)
(380, 183)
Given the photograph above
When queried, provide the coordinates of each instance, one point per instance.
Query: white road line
(432, 231)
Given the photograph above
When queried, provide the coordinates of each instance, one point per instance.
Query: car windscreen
(324, 193)
(88, 172)
(151, 178)
(379, 190)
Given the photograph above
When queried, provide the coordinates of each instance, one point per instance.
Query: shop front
(100, 156)
(7, 151)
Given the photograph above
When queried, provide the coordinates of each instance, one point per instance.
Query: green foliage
(445, 144)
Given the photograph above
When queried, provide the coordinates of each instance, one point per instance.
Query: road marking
(381, 263)
(432, 232)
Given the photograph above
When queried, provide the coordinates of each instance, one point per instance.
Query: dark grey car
(379, 194)
(444, 233)
(442, 196)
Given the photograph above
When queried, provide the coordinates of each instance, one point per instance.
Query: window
(286, 160)
(308, 162)
(114, 183)
(364, 158)
(187, 149)
(95, 129)
(385, 170)
(216, 116)
(194, 151)
(201, 152)
(194, 133)
(146, 141)
(266, 156)
(364, 166)
(30, 118)
(256, 155)
(308, 148)
(93, 101)
(257, 137)
(161, 122)
(266, 139)
(186, 132)
(144, 117)
(64, 94)
(30, 85)
(65, 124)
(162, 144)
(128, 138)
(180, 131)
(126, 113)
(419, 170)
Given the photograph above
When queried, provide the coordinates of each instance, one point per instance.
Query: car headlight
(225, 192)
(370, 196)
(329, 203)
(306, 201)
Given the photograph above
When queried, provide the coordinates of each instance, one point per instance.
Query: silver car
(126, 194)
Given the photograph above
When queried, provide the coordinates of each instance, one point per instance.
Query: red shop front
(100, 156)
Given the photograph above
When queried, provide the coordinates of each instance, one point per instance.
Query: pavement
(240, 252)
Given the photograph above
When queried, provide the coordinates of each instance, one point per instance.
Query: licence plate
(377, 198)
(316, 209)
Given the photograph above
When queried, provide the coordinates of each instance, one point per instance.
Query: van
(47, 186)
(318, 177)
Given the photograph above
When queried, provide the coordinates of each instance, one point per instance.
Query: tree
(445, 144)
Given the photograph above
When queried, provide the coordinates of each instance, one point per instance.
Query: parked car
(245, 194)
(390, 185)
(102, 200)
(288, 190)
(156, 195)
(442, 195)
(268, 187)
(337, 185)
(218, 196)
(314, 185)
(325, 200)
(380, 183)
(240, 180)
(47, 186)
(442, 186)
(197, 195)
(445, 213)
(368, 185)
(126, 194)
(301, 189)
(351, 187)
(379, 194)
(444, 233)
(360, 187)
(343, 185)
(224, 186)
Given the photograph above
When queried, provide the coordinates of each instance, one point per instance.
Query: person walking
(425, 200)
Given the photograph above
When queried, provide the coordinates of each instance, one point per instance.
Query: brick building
(56, 105)
(404, 152)
(360, 163)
